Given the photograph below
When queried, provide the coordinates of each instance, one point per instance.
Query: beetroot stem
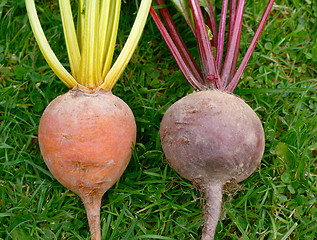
(221, 36)
(233, 8)
(176, 54)
(206, 55)
(212, 24)
(187, 17)
(232, 43)
(235, 57)
(213, 195)
(251, 48)
(179, 42)
(92, 206)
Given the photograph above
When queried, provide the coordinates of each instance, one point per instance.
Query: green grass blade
(289, 232)
(233, 218)
(131, 228)
(118, 222)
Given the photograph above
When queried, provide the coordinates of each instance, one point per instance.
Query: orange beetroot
(86, 141)
(86, 135)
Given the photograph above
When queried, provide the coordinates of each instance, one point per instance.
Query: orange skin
(86, 141)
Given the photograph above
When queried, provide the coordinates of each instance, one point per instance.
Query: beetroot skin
(212, 137)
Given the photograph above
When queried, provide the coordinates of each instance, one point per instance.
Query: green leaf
(286, 178)
(19, 233)
(282, 197)
(291, 189)
(205, 4)
(283, 152)
(183, 7)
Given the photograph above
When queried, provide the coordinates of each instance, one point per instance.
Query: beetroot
(212, 137)
(86, 141)
(86, 135)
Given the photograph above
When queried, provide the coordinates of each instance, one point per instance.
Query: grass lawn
(150, 201)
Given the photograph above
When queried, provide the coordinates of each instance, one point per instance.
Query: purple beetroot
(211, 136)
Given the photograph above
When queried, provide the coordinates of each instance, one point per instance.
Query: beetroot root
(86, 141)
(212, 137)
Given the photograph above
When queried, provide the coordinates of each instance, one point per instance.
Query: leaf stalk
(91, 46)
(216, 73)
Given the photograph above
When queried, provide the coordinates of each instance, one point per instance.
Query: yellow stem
(103, 33)
(46, 50)
(89, 45)
(129, 47)
(70, 37)
(80, 23)
(112, 36)
(91, 51)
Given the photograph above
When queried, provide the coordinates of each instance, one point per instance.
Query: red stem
(221, 36)
(176, 54)
(235, 58)
(232, 16)
(210, 65)
(206, 55)
(232, 43)
(233, 8)
(187, 18)
(179, 42)
(251, 48)
(212, 25)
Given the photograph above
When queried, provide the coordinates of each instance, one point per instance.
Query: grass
(151, 201)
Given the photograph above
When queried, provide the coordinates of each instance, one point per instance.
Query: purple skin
(212, 137)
